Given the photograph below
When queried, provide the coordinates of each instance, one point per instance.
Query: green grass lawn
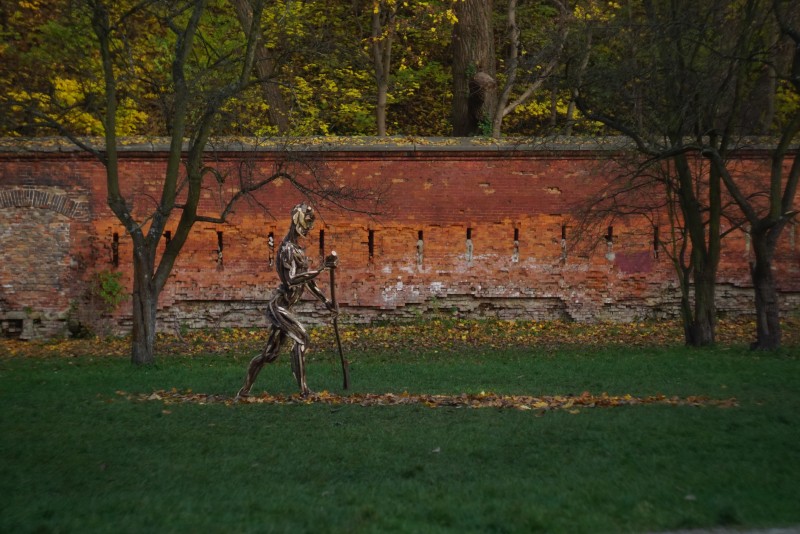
(79, 457)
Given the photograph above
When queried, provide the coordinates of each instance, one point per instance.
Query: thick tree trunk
(145, 304)
(380, 110)
(704, 238)
(768, 323)
(698, 315)
(701, 331)
(474, 86)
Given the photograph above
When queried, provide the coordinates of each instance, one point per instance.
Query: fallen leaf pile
(570, 403)
(439, 334)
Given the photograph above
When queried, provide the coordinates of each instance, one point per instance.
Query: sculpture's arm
(306, 277)
(312, 286)
(330, 263)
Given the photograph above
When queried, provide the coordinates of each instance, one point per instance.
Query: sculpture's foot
(306, 393)
(242, 395)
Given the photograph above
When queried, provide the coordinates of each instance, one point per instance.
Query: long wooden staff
(345, 363)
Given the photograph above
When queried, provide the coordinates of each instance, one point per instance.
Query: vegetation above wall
(379, 66)
(326, 143)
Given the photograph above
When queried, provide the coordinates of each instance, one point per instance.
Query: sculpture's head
(303, 218)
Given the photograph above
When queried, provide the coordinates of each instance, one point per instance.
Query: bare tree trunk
(705, 245)
(578, 81)
(698, 319)
(686, 312)
(768, 226)
(474, 86)
(145, 304)
(512, 62)
(504, 107)
(278, 110)
(382, 32)
(702, 328)
(768, 324)
(380, 110)
(766, 229)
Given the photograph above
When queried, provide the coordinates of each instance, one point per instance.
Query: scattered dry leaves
(571, 403)
(440, 334)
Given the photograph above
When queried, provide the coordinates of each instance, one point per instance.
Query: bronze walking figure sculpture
(295, 277)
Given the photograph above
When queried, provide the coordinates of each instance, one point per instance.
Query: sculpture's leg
(268, 355)
(299, 367)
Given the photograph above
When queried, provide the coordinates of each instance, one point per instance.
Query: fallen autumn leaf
(479, 400)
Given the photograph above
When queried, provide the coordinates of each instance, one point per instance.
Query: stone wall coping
(352, 145)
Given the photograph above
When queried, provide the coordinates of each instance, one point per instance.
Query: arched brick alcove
(44, 198)
(38, 270)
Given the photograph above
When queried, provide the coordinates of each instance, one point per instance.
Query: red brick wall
(56, 229)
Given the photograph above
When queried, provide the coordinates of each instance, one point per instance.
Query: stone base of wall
(733, 301)
(32, 325)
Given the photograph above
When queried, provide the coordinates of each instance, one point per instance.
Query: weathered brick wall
(40, 230)
(491, 222)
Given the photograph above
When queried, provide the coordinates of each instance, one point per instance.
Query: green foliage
(787, 104)
(107, 286)
(485, 127)
(423, 92)
(321, 51)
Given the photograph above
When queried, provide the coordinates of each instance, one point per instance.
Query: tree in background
(647, 89)
(384, 14)
(401, 23)
(186, 66)
(312, 57)
(767, 212)
(420, 89)
(521, 90)
(46, 56)
(587, 17)
(329, 68)
(266, 65)
(474, 77)
(675, 85)
(530, 65)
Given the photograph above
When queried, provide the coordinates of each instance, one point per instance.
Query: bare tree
(383, 20)
(393, 23)
(538, 68)
(767, 212)
(670, 73)
(266, 67)
(677, 88)
(201, 81)
(650, 188)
